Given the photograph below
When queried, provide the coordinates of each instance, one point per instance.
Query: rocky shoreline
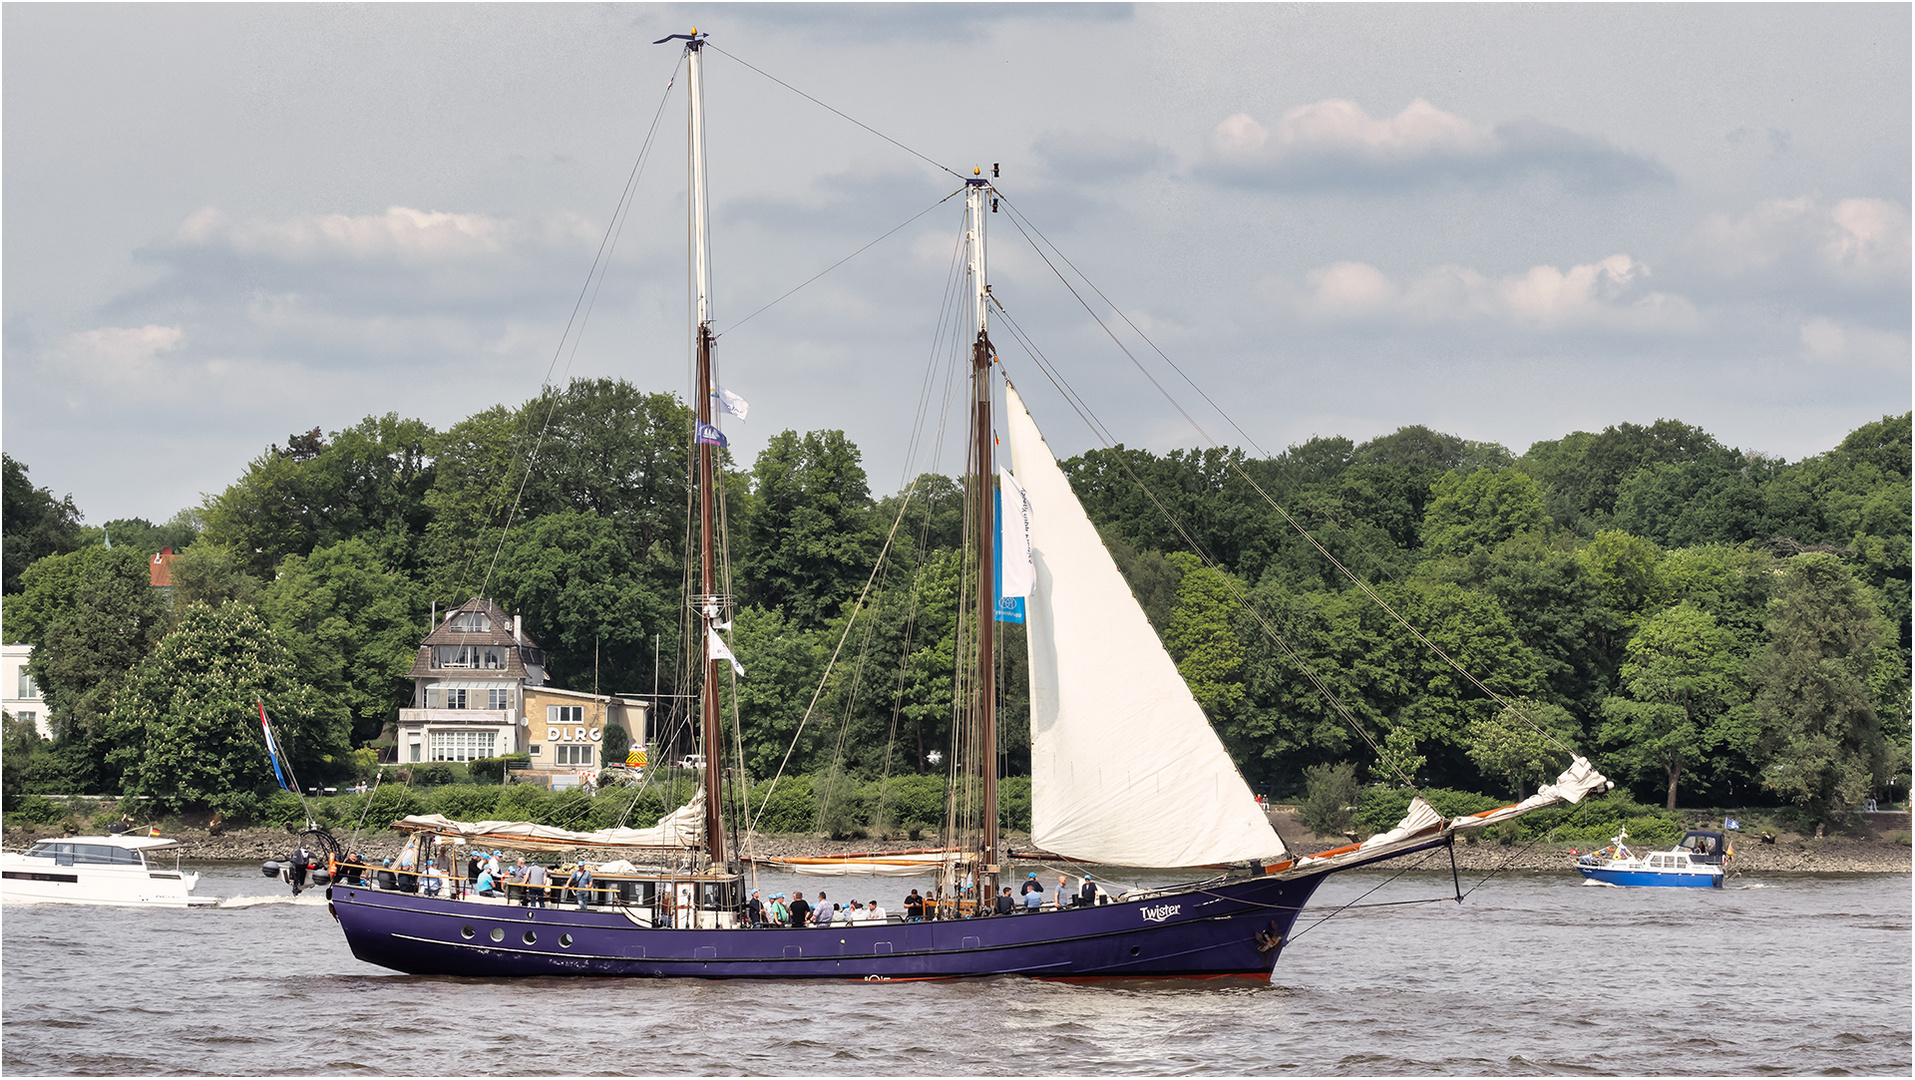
(1832, 855)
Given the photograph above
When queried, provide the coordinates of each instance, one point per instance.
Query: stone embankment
(1789, 854)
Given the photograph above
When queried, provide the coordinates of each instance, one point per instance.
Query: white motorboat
(99, 870)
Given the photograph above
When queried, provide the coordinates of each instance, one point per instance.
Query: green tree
(109, 624)
(34, 523)
(212, 574)
(1522, 745)
(369, 481)
(587, 597)
(812, 537)
(1329, 798)
(352, 624)
(1582, 474)
(1480, 508)
(21, 748)
(1397, 761)
(783, 665)
(1819, 724)
(1684, 681)
(1201, 640)
(185, 725)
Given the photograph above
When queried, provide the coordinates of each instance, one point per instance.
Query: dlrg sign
(572, 733)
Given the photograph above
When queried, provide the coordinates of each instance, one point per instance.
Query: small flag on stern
(709, 435)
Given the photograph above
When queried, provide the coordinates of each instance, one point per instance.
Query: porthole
(565, 941)
(1134, 950)
(498, 933)
(531, 938)
(466, 932)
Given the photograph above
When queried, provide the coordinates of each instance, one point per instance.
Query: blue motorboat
(1698, 862)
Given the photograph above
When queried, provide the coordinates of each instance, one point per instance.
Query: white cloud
(1336, 142)
(401, 235)
(1827, 341)
(1856, 243)
(1607, 295)
(116, 356)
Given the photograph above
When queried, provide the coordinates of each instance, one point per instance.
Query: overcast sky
(225, 224)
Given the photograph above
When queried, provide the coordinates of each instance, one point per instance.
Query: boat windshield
(67, 853)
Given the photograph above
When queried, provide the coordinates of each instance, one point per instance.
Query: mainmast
(984, 710)
(709, 605)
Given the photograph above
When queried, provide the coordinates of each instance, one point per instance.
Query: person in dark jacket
(1006, 905)
(800, 911)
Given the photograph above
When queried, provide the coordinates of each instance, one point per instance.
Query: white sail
(1125, 768)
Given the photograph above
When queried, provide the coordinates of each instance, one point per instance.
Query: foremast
(709, 605)
(983, 488)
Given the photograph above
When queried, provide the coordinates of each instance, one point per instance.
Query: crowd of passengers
(535, 885)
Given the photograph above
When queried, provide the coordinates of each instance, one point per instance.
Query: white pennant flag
(732, 403)
(715, 648)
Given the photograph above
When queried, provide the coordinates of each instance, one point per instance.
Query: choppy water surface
(1534, 974)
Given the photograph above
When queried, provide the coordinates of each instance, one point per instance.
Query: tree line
(1710, 625)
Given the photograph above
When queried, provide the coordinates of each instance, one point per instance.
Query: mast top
(694, 37)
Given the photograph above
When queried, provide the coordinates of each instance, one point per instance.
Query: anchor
(1269, 938)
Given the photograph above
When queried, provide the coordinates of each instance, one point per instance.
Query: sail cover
(682, 828)
(1125, 768)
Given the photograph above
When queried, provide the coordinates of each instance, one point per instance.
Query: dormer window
(471, 622)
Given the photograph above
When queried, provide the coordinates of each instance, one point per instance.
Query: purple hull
(1218, 928)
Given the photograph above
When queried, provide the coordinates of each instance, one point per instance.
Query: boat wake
(311, 899)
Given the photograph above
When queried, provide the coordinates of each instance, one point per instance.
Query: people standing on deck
(822, 912)
(755, 911)
(535, 881)
(914, 907)
(1087, 896)
(1033, 898)
(668, 907)
(800, 911)
(780, 914)
(579, 885)
(1031, 885)
(1006, 905)
(1063, 892)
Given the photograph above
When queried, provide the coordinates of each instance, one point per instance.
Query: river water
(1533, 974)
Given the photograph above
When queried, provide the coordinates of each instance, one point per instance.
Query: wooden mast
(984, 711)
(709, 608)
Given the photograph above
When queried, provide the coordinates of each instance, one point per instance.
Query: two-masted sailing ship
(1126, 771)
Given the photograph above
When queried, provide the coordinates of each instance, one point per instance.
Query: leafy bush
(492, 770)
(1013, 803)
(523, 802)
(281, 809)
(913, 804)
(1328, 794)
(791, 807)
(36, 810)
(842, 810)
(437, 773)
(466, 802)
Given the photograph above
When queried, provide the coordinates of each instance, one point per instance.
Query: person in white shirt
(874, 913)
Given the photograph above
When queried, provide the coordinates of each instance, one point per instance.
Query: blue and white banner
(709, 435)
(1011, 571)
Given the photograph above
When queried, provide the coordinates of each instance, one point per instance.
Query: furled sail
(1125, 768)
(680, 829)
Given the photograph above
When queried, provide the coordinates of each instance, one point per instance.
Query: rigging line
(1243, 600)
(600, 259)
(837, 264)
(828, 108)
(1237, 467)
(931, 367)
(1371, 891)
(836, 651)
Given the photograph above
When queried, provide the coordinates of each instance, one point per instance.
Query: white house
(21, 698)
